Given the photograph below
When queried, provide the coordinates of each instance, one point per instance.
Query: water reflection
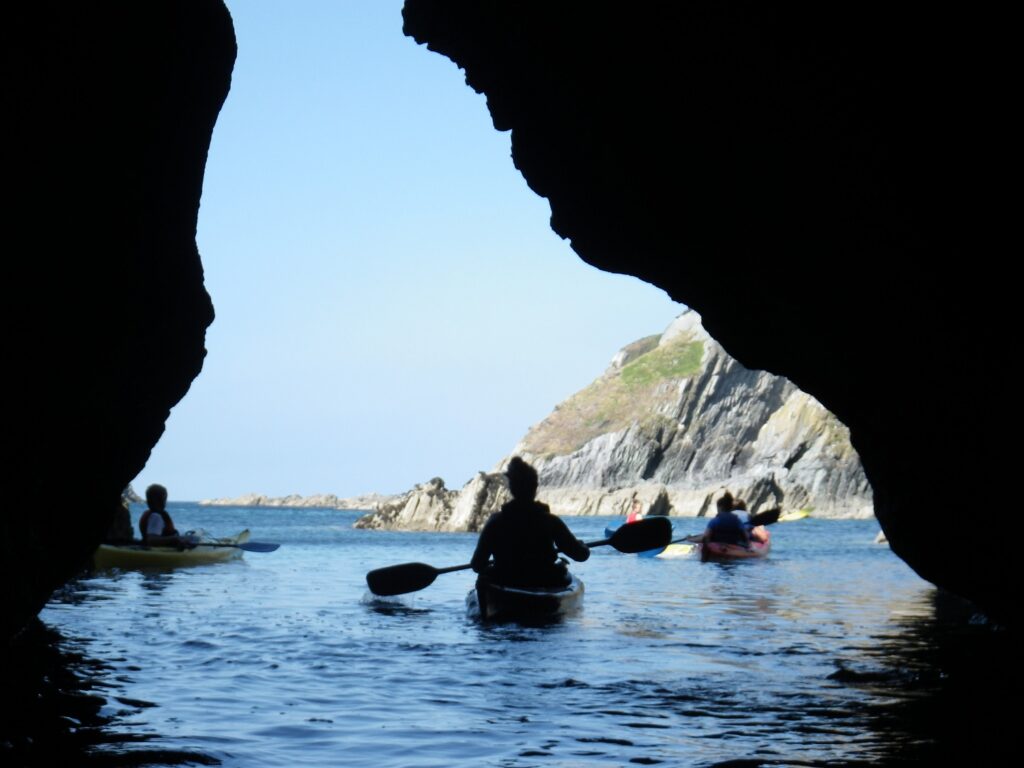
(943, 689)
(55, 717)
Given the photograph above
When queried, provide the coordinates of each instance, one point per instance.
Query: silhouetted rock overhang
(109, 111)
(822, 182)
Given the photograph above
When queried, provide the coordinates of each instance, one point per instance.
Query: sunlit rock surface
(684, 419)
(824, 183)
(317, 501)
(431, 506)
(672, 423)
(109, 109)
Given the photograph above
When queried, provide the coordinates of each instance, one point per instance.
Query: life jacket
(168, 525)
(726, 529)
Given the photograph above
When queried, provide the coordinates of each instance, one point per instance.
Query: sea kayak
(495, 602)
(138, 556)
(718, 552)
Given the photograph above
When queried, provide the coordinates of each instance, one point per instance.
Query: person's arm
(567, 543)
(482, 553)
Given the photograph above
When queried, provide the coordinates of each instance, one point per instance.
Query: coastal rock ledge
(316, 501)
(673, 422)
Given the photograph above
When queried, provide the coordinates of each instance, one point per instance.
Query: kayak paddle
(411, 577)
(248, 546)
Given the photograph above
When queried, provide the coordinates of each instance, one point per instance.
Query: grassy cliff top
(618, 399)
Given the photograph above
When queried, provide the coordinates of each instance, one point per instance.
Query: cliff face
(683, 415)
(672, 422)
(813, 179)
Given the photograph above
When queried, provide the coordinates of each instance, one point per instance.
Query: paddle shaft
(411, 577)
(467, 566)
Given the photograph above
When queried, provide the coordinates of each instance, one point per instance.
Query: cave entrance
(382, 274)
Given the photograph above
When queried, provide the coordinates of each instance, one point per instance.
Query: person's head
(636, 505)
(725, 503)
(156, 497)
(739, 504)
(522, 479)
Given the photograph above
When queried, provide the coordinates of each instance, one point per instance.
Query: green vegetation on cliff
(620, 398)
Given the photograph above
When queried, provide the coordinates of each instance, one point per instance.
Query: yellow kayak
(677, 550)
(796, 514)
(134, 556)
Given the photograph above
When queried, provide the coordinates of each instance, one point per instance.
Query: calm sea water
(830, 652)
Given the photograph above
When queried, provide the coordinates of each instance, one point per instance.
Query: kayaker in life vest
(524, 538)
(155, 525)
(636, 513)
(726, 527)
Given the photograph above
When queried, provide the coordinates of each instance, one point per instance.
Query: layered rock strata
(672, 423)
(684, 419)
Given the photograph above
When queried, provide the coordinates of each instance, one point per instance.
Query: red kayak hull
(718, 552)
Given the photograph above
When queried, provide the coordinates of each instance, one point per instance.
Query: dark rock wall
(109, 109)
(824, 183)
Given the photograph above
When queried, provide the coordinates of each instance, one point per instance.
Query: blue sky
(391, 302)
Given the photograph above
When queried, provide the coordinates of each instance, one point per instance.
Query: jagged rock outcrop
(824, 183)
(129, 494)
(683, 417)
(108, 113)
(432, 507)
(318, 501)
(671, 423)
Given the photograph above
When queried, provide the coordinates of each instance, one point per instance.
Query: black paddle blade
(399, 579)
(649, 533)
(766, 518)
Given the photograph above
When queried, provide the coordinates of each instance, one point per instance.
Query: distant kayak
(680, 549)
(495, 602)
(796, 514)
(139, 556)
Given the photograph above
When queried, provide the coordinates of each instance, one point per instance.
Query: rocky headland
(673, 421)
(318, 501)
(431, 506)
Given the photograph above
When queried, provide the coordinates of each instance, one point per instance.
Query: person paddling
(524, 538)
(155, 525)
(726, 527)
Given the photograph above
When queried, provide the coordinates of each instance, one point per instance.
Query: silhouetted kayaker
(524, 538)
(155, 525)
(726, 527)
